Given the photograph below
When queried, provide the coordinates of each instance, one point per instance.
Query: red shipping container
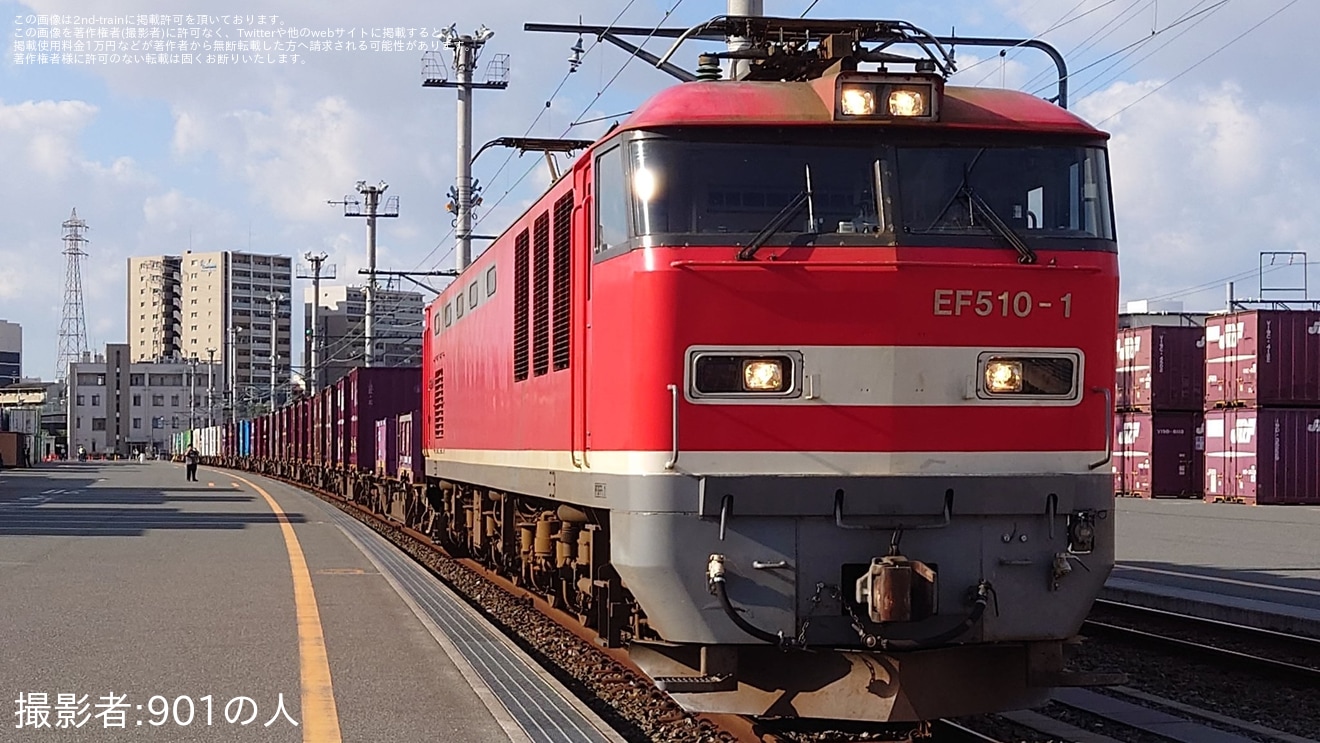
(1263, 358)
(1161, 368)
(1263, 455)
(1159, 455)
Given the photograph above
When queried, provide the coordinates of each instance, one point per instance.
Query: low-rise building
(120, 407)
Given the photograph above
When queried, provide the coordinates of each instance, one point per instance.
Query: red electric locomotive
(798, 385)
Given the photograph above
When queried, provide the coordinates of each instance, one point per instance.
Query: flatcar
(798, 385)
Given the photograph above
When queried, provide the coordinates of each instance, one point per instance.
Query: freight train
(797, 385)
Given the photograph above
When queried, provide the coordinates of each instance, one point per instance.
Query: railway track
(1287, 656)
(605, 678)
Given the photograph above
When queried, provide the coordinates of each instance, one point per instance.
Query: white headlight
(903, 102)
(858, 101)
(1003, 376)
(763, 375)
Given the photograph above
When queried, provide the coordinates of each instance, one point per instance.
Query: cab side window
(611, 201)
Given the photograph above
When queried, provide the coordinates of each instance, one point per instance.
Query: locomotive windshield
(1053, 196)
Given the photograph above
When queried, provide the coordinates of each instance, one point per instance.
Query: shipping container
(373, 393)
(410, 463)
(15, 449)
(1263, 455)
(387, 446)
(1265, 358)
(1159, 455)
(23, 420)
(1160, 368)
(339, 413)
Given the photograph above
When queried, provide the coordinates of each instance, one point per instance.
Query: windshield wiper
(997, 225)
(776, 224)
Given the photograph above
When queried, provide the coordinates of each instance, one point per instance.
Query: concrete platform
(1256, 565)
(124, 579)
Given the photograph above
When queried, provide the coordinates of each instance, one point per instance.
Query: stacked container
(1159, 444)
(1262, 401)
(372, 394)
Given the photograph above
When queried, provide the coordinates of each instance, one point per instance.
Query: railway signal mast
(466, 49)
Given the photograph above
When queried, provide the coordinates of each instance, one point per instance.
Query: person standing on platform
(191, 458)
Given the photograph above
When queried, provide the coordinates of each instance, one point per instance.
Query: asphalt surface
(1250, 561)
(123, 579)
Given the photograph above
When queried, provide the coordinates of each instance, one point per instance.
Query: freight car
(798, 385)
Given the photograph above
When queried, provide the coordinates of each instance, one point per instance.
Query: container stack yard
(1262, 407)
(1159, 447)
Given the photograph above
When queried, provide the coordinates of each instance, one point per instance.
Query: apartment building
(341, 321)
(116, 405)
(214, 305)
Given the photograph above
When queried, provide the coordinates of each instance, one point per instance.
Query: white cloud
(42, 135)
(1204, 179)
(287, 156)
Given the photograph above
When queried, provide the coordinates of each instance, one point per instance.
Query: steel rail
(1294, 671)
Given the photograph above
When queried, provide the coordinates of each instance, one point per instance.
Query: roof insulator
(708, 67)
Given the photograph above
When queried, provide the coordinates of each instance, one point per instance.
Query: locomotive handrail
(673, 456)
(1109, 426)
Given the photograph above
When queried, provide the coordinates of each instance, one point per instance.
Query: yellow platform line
(320, 721)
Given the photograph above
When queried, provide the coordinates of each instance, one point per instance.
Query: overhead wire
(1096, 36)
(1201, 61)
(1140, 42)
(587, 52)
(1091, 85)
(577, 121)
(1036, 37)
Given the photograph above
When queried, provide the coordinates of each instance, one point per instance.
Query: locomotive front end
(858, 401)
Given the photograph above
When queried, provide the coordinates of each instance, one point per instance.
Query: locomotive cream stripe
(884, 375)
(853, 464)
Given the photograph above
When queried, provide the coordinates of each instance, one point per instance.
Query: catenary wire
(587, 52)
(1090, 85)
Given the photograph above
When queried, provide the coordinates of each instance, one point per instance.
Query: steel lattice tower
(73, 324)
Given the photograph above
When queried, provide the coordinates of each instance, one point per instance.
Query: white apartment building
(341, 318)
(214, 305)
(119, 406)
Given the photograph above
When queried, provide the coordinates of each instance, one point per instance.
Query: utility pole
(192, 393)
(315, 274)
(740, 67)
(210, 387)
(274, 300)
(466, 49)
(374, 209)
(234, 330)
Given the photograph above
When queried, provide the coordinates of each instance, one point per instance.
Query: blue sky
(1214, 159)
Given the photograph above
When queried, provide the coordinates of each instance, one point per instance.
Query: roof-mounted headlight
(857, 100)
(874, 97)
(907, 102)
